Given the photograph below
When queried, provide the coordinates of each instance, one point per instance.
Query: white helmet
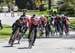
(62, 15)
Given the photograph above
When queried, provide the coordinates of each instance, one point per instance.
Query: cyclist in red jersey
(33, 23)
(25, 23)
(43, 20)
(65, 22)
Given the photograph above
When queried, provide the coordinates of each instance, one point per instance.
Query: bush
(72, 23)
(24, 4)
(67, 9)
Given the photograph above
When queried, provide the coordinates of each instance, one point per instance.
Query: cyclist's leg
(11, 36)
(29, 37)
(41, 31)
(67, 29)
(30, 30)
(19, 35)
(58, 29)
(46, 31)
(51, 29)
(35, 35)
(61, 28)
(25, 30)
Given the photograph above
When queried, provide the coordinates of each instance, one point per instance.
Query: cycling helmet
(20, 18)
(33, 14)
(62, 15)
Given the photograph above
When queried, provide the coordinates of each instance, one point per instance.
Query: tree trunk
(49, 4)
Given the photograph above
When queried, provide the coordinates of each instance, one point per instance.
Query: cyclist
(58, 24)
(44, 24)
(52, 24)
(41, 25)
(25, 22)
(33, 23)
(65, 22)
(17, 24)
(52, 19)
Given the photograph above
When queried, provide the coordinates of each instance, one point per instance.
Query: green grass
(35, 12)
(72, 23)
(5, 32)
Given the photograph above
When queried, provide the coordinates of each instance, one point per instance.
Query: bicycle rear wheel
(31, 39)
(13, 38)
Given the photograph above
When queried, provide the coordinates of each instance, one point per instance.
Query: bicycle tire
(13, 38)
(31, 39)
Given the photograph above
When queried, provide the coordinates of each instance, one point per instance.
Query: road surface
(50, 45)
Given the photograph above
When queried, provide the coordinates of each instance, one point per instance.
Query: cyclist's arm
(45, 21)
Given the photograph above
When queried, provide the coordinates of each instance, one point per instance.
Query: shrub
(67, 9)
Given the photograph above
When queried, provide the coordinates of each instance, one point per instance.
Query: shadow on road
(24, 48)
(7, 46)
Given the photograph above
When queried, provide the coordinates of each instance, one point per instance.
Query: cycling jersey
(33, 21)
(43, 20)
(65, 20)
(16, 25)
(66, 23)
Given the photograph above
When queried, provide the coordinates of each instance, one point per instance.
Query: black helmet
(33, 14)
(20, 18)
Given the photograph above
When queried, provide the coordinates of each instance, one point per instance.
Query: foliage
(68, 8)
(72, 23)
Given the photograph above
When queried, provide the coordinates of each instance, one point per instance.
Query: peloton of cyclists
(24, 23)
(61, 22)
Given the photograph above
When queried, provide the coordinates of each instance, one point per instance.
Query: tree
(1, 6)
(68, 7)
(23, 4)
(49, 4)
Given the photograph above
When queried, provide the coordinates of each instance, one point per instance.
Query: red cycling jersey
(34, 21)
(44, 20)
(67, 20)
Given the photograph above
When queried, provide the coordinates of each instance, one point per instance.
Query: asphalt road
(50, 45)
(42, 45)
